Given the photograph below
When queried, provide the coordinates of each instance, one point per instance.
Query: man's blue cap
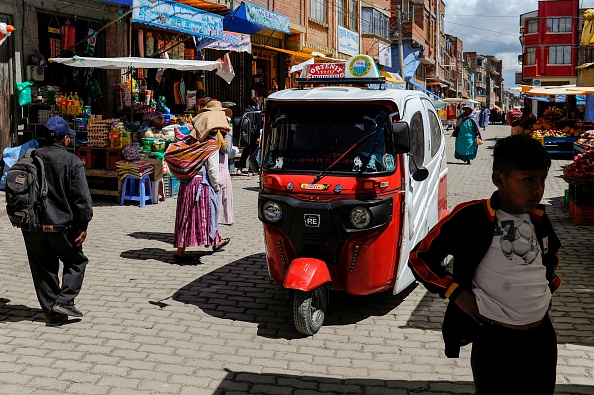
(59, 126)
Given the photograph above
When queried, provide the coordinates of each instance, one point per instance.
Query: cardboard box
(157, 173)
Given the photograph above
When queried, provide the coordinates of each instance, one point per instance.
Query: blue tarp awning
(248, 18)
(411, 61)
(421, 87)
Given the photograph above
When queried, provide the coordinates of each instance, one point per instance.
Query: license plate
(312, 220)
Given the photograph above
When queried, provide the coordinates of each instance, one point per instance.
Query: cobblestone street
(222, 326)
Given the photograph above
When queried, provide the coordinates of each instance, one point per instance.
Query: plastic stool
(137, 189)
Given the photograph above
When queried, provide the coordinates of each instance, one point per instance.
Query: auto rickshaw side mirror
(420, 174)
(400, 135)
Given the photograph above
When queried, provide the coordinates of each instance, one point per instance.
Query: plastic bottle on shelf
(75, 104)
(69, 104)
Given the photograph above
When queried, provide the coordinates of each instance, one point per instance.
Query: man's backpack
(26, 191)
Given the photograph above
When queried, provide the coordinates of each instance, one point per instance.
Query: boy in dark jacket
(502, 277)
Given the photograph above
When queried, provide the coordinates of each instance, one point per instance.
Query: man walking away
(64, 221)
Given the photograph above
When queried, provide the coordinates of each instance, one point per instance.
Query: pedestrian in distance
(467, 135)
(65, 219)
(502, 278)
(250, 127)
(226, 194)
(484, 118)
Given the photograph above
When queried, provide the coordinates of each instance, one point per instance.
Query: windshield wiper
(324, 172)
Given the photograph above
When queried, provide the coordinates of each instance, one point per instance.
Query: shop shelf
(581, 215)
(582, 194)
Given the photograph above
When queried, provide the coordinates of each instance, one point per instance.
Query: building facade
(549, 37)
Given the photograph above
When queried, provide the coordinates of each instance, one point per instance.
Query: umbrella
(458, 100)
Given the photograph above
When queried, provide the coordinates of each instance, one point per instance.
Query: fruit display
(586, 144)
(582, 167)
(554, 123)
(565, 132)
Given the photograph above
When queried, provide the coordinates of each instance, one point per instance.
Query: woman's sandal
(222, 244)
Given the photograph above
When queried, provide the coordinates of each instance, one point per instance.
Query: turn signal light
(375, 184)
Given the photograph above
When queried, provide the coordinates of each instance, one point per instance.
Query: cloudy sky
(492, 27)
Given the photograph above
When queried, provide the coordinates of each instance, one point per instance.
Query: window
(354, 24)
(342, 13)
(435, 133)
(343, 139)
(559, 25)
(532, 26)
(317, 10)
(560, 54)
(417, 142)
(374, 22)
(530, 57)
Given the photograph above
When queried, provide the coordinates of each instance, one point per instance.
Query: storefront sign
(348, 41)
(324, 70)
(178, 17)
(385, 55)
(263, 17)
(233, 42)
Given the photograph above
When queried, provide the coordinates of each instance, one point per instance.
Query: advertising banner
(178, 17)
(348, 41)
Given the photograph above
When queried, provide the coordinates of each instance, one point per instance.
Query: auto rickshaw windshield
(308, 139)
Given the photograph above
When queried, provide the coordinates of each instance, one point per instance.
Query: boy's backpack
(26, 191)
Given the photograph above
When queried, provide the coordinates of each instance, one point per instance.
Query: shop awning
(421, 87)
(138, 63)
(302, 55)
(249, 18)
(167, 14)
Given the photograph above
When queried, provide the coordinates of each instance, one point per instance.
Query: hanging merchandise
(182, 50)
(226, 72)
(54, 38)
(149, 45)
(68, 36)
(5, 31)
(77, 75)
(91, 42)
(24, 90)
(174, 50)
(160, 45)
(141, 43)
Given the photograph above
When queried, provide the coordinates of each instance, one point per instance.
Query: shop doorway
(6, 86)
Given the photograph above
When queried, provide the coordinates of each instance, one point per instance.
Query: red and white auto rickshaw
(351, 179)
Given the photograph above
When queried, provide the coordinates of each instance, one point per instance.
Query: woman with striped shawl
(196, 164)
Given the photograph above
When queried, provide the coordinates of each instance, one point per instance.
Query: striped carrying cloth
(186, 160)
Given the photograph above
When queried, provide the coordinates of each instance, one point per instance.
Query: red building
(550, 37)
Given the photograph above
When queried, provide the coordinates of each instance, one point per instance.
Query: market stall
(559, 125)
(100, 140)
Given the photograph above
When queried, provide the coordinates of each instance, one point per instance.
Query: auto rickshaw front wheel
(309, 309)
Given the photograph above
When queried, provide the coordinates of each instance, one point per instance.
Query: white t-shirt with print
(510, 282)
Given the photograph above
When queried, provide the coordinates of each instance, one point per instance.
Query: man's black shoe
(67, 309)
(55, 319)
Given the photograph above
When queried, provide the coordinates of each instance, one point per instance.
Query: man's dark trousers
(45, 250)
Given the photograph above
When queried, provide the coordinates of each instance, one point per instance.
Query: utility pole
(400, 49)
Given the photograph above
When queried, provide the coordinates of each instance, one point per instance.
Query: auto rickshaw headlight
(360, 217)
(272, 211)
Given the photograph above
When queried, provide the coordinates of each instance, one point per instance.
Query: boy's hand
(467, 302)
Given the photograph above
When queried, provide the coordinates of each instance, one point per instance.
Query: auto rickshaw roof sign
(359, 66)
